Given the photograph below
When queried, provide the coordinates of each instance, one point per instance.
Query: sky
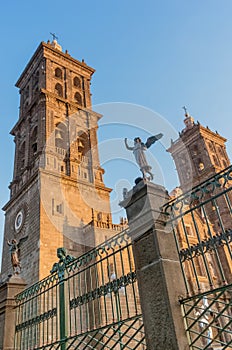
(151, 57)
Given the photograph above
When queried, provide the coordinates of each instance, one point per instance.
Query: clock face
(19, 221)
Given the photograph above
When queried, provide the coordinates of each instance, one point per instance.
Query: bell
(80, 144)
(58, 135)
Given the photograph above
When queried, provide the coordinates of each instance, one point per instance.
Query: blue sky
(160, 55)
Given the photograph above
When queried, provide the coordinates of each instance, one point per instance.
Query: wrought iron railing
(201, 220)
(208, 319)
(202, 226)
(86, 303)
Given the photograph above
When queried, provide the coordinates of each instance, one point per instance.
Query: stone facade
(57, 186)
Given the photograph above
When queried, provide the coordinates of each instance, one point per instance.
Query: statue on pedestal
(138, 150)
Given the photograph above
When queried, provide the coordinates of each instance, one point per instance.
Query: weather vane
(185, 110)
(54, 36)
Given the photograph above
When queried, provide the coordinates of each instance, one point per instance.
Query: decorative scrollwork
(110, 287)
(36, 320)
(115, 242)
(205, 246)
(199, 193)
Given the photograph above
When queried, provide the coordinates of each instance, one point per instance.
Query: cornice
(48, 51)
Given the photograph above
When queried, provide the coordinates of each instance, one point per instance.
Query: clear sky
(151, 58)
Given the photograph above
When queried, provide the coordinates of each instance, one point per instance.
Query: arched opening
(195, 150)
(59, 90)
(34, 144)
(215, 160)
(61, 135)
(77, 82)
(78, 98)
(58, 73)
(21, 159)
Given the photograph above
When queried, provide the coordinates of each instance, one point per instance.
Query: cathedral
(58, 197)
(60, 204)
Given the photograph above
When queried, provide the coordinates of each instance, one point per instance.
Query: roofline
(65, 55)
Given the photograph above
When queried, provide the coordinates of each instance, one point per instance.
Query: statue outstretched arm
(127, 146)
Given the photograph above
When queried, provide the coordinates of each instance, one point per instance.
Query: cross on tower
(185, 110)
(54, 36)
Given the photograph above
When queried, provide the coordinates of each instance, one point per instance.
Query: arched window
(78, 98)
(58, 73)
(36, 79)
(59, 90)
(211, 147)
(34, 140)
(27, 92)
(61, 135)
(195, 150)
(215, 160)
(77, 82)
(21, 161)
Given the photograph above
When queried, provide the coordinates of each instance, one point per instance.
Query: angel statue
(15, 253)
(138, 150)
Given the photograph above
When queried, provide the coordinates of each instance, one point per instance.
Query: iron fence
(91, 302)
(208, 319)
(202, 227)
(201, 220)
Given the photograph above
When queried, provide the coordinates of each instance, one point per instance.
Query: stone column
(8, 291)
(160, 280)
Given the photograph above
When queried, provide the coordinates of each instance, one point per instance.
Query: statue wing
(22, 240)
(153, 139)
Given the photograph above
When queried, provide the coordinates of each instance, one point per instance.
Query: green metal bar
(203, 255)
(191, 259)
(111, 296)
(63, 314)
(117, 296)
(125, 288)
(57, 305)
(222, 227)
(86, 304)
(215, 248)
(130, 257)
(181, 264)
(74, 313)
(228, 202)
(80, 308)
(91, 304)
(103, 282)
(43, 311)
(97, 300)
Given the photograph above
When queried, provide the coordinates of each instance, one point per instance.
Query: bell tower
(57, 193)
(198, 153)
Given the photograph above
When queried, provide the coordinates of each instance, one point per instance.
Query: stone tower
(57, 195)
(198, 153)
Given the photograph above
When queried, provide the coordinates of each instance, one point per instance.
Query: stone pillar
(160, 280)
(8, 290)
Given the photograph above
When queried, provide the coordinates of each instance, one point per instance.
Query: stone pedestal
(160, 279)
(8, 290)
